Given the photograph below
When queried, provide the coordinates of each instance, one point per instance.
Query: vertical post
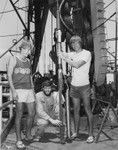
(68, 115)
(51, 62)
(28, 18)
(60, 81)
(0, 113)
(11, 105)
(66, 63)
(116, 49)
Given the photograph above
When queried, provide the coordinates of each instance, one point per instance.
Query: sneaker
(20, 145)
(74, 135)
(90, 139)
(37, 139)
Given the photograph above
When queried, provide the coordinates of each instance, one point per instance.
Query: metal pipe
(116, 45)
(68, 114)
(0, 114)
(60, 80)
(116, 48)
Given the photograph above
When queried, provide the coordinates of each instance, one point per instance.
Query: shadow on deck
(51, 140)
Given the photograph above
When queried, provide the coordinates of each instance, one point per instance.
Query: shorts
(81, 92)
(25, 95)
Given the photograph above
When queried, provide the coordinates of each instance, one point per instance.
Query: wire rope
(109, 4)
(60, 9)
(104, 21)
(8, 11)
(1, 36)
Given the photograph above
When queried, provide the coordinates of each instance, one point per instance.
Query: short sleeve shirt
(80, 76)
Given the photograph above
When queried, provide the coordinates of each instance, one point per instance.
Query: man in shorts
(20, 81)
(80, 60)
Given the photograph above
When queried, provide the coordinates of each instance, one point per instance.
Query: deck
(51, 140)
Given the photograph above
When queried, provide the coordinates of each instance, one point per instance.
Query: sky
(110, 25)
(10, 24)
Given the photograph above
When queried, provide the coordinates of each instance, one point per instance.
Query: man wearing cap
(80, 60)
(47, 108)
(21, 84)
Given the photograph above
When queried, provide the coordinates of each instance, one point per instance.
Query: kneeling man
(47, 108)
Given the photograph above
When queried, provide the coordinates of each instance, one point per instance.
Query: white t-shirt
(80, 76)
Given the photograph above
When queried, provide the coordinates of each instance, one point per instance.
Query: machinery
(82, 17)
(85, 18)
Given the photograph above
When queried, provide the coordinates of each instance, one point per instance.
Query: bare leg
(76, 104)
(41, 125)
(30, 119)
(19, 112)
(87, 107)
(40, 130)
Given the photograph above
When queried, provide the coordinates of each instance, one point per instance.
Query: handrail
(7, 128)
(4, 132)
(6, 104)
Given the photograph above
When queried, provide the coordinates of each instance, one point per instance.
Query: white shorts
(25, 95)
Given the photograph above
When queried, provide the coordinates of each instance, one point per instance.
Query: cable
(11, 35)
(104, 21)
(22, 8)
(16, 1)
(14, 35)
(3, 12)
(109, 4)
(60, 9)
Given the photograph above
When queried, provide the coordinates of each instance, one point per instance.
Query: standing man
(80, 60)
(20, 81)
(47, 108)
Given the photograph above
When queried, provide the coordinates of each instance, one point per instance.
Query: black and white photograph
(58, 74)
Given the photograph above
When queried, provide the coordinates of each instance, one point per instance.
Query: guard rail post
(0, 113)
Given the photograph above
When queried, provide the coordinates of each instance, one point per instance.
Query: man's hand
(55, 122)
(14, 95)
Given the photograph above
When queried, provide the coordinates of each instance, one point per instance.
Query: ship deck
(51, 140)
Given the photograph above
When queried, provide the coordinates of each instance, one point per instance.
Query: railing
(4, 131)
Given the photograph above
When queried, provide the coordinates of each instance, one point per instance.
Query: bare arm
(11, 65)
(41, 113)
(71, 62)
(10, 69)
(32, 84)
